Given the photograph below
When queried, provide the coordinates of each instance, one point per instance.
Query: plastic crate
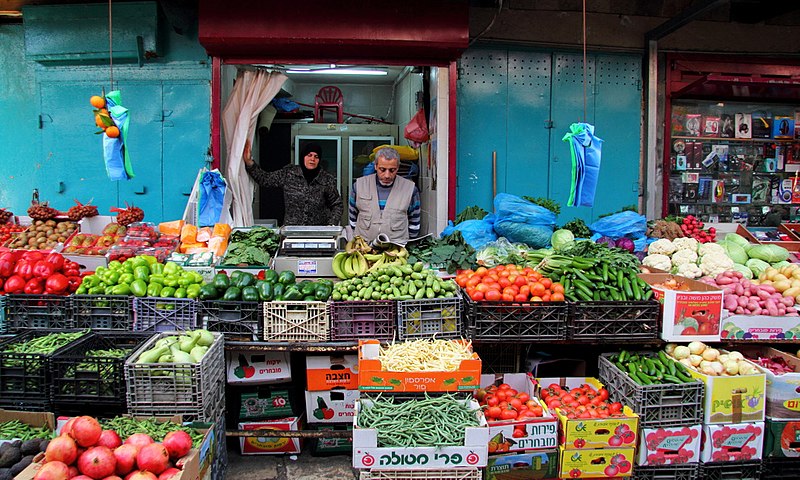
(237, 320)
(522, 321)
(731, 471)
(428, 317)
(689, 471)
(296, 321)
(499, 358)
(356, 320)
(614, 320)
(102, 312)
(220, 462)
(38, 311)
(25, 378)
(666, 405)
(2, 314)
(433, 474)
(780, 468)
(194, 390)
(97, 381)
(153, 314)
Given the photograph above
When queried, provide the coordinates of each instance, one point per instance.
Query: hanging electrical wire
(110, 49)
(494, 18)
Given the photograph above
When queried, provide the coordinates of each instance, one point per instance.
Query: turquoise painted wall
(169, 101)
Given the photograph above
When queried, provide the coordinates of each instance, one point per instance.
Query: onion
(696, 348)
(723, 358)
(734, 355)
(670, 348)
(710, 354)
(695, 359)
(681, 352)
(732, 367)
(747, 368)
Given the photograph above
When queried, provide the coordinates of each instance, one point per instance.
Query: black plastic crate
(155, 314)
(25, 378)
(689, 471)
(731, 471)
(237, 320)
(614, 320)
(323, 447)
(780, 468)
(2, 314)
(38, 311)
(665, 405)
(495, 358)
(522, 321)
(361, 320)
(97, 381)
(102, 312)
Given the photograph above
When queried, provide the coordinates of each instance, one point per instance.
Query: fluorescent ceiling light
(337, 71)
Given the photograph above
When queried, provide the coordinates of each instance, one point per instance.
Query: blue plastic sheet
(476, 233)
(521, 221)
(212, 197)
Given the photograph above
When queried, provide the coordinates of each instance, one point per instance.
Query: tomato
(537, 289)
(510, 291)
(527, 414)
(567, 398)
(508, 297)
(504, 282)
(584, 400)
(603, 394)
(615, 407)
(501, 395)
(523, 397)
(557, 296)
(546, 297)
(546, 282)
(515, 403)
(520, 297)
(509, 414)
(492, 296)
(492, 400)
(520, 281)
(482, 287)
(553, 403)
(493, 412)
(558, 288)
(519, 434)
(461, 280)
(537, 411)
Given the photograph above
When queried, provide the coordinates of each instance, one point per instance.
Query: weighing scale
(308, 250)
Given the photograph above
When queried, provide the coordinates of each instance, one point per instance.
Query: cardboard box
(670, 445)
(523, 466)
(733, 399)
(732, 442)
(258, 367)
(265, 402)
(782, 438)
(331, 406)
(331, 371)
(596, 463)
(207, 272)
(760, 327)
(687, 315)
(540, 433)
(34, 419)
(614, 432)
(367, 454)
(783, 395)
(372, 377)
(271, 445)
(333, 445)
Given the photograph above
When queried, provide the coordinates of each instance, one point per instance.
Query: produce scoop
(308, 250)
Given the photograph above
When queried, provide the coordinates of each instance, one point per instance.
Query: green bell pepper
(278, 290)
(139, 288)
(193, 290)
(112, 277)
(121, 289)
(307, 287)
(292, 293)
(153, 290)
(115, 265)
(286, 277)
(206, 292)
(171, 268)
(98, 290)
(157, 269)
(234, 276)
(322, 292)
(309, 298)
(246, 279)
(167, 292)
(250, 294)
(149, 259)
(171, 280)
(126, 278)
(137, 261)
(185, 279)
(265, 292)
(180, 293)
(232, 294)
(82, 290)
(157, 279)
(271, 276)
(142, 273)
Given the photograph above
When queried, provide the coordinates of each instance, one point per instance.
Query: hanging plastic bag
(416, 132)
(622, 224)
(115, 150)
(212, 198)
(585, 150)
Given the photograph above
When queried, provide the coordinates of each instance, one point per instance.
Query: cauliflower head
(706, 248)
(712, 264)
(682, 257)
(685, 243)
(690, 270)
(657, 260)
(662, 246)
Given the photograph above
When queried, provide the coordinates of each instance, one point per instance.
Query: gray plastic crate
(731, 471)
(194, 390)
(666, 405)
(425, 318)
(237, 320)
(155, 314)
(689, 471)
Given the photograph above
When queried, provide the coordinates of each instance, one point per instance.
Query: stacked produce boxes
(331, 395)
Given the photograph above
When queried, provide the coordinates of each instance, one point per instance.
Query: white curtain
(252, 92)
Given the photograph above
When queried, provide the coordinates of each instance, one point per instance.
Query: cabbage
(757, 266)
(738, 240)
(735, 252)
(748, 274)
(561, 238)
(608, 241)
(769, 253)
(626, 244)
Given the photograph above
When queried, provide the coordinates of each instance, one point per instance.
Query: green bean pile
(430, 422)
(127, 426)
(22, 431)
(44, 345)
(91, 366)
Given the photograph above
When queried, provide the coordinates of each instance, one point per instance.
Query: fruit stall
(624, 348)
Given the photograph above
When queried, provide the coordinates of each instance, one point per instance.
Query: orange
(112, 132)
(97, 101)
(99, 121)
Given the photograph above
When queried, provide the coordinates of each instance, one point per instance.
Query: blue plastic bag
(476, 233)
(212, 197)
(622, 224)
(521, 221)
(536, 236)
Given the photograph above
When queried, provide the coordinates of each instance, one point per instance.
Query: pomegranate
(86, 431)
(169, 473)
(178, 443)
(139, 439)
(97, 462)
(153, 458)
(81, 477)
(110, 439)
(73, 471)
(67, 426)
(126, 458)
(112, 477)
(54, 470)
(61, 449)
(141, 475)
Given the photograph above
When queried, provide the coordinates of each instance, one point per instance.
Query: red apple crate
(356, 320)
(731, 471)
(38, 311)
(523, 321)
(102, 312)
(614, 320)
(688, 471)
(237, 320)
(664, 405)
(432, 474)
(156, 314)
(296, 321)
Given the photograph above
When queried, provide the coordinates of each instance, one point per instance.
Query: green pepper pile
(142, 276)
(269, 285)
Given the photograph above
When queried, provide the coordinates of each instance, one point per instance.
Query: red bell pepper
(35, 286)
(56, 260)
(56, 284)
(24, 269)
(33, 256)
(43, 269)
(74, 283)
(14, 284)
(7, 263)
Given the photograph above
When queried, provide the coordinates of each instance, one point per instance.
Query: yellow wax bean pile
(426, 355)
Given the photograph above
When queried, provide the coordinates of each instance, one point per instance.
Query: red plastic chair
(329, 98)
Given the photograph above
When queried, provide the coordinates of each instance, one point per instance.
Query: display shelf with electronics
(733, 161)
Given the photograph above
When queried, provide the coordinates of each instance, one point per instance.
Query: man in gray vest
(385, 203)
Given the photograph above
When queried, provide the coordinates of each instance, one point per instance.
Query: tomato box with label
(670, 445)
(331, 406)
(271, 445)
(521, 434)
(732, 442)
(541, 464)
(691, 313)
(783, 391)
(325, 372)
(733, 399)
(597, 462)
(258, 367)
(782, 438)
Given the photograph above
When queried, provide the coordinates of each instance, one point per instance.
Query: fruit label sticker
(737, 440)
(793, 405)
(673, 443)
(306, 267)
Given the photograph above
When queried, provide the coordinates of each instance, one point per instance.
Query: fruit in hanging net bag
(126, 216)
(80, 211)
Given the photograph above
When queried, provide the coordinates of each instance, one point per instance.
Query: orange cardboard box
(372, 377)
(326, 372)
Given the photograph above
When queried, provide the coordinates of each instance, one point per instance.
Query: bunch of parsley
(451, 251)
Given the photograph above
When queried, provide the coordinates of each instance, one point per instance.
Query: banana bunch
(359, 258)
